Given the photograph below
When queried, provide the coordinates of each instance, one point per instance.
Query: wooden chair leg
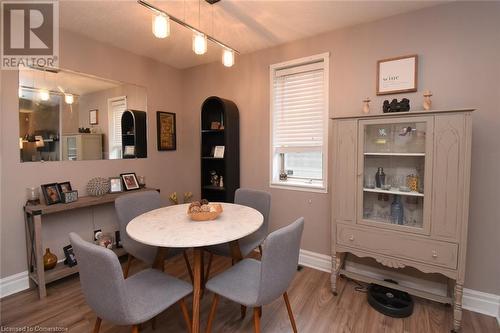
(290, 313)
(260, 251)
(97, 325)
(260, 311)
(211, 316)
(188, 266)
(243, 310)
(127, 266)
(185, 314)
(153, 323)
(135, 329)
(256, 320)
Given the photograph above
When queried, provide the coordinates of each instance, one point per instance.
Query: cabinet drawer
(399, 245)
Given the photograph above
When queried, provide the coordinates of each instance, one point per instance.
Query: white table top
(172, 227)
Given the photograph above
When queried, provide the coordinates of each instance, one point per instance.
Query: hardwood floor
(314, 307)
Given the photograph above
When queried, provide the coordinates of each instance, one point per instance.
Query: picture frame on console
(130, 182)
(116, 185)
(51, 193)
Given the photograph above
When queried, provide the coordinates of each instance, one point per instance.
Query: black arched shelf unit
(134, 134)
(218, 110)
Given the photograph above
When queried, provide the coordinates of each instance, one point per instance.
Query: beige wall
(162, 169)
(459, 57)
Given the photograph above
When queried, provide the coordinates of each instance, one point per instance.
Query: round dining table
(171, 227)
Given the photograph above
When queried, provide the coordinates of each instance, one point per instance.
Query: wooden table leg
(197, 253)
(159, 262)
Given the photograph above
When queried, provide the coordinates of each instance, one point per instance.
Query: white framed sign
(219, 152)
(397, 75)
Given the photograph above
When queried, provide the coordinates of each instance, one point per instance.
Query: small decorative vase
(49, 260)
(427, 100)
(98, 186)
(366, 105)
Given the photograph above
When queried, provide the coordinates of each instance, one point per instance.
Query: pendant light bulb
(44, 94)
(228, 57)
(161, 26)
(199, 43)
(69, 98)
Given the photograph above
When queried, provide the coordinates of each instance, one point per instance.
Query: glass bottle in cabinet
(394, 160)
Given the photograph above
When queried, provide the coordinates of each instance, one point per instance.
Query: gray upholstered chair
(123, 301)
(258, 200)
(256, 283)
(128, 207)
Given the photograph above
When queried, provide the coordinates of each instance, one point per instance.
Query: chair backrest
(279, 261)
(102, 279)
(258, 200)
(128, 207)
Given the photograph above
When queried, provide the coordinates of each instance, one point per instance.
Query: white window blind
(299, 108)
(116, 107)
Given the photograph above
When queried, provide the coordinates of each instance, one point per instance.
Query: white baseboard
(14, 283)
(473, 300)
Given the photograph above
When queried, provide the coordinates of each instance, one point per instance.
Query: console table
(33, 218)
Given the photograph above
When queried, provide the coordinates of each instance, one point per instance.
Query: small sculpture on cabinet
(427, 100)
(366, 105)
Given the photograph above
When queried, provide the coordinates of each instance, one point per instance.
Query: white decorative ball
(98, 186)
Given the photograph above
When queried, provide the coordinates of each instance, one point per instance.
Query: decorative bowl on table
(204, 211)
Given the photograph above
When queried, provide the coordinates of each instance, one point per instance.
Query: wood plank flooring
(314, 307)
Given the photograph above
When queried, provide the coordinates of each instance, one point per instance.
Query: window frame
(111, 123)
(274, 157)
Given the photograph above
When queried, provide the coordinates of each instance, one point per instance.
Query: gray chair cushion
(258, 200)
(240, 283)
(120, 301)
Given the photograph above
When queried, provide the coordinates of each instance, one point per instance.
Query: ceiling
(245, 25)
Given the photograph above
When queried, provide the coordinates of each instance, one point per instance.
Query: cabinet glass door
(395, 172)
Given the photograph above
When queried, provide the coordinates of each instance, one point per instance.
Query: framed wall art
(166, 131)
(397, 75)
(93, 117)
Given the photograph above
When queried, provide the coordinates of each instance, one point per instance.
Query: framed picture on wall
(166, 131)
(397, 75)
(93, 117)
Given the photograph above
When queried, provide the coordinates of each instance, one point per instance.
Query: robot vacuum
(390, 302)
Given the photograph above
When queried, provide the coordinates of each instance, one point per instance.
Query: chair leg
(97, 325)
(153, 323)
(256, 320)
(127, 266)
(135, 329)
(260, 251)
(211, 316)
(290, 313)
(260, 311)
(185, 314)
(188, 265)
(243, 310)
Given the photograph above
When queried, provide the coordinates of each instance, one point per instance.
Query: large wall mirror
(64, 115)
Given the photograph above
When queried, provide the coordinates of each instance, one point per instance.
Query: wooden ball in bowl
(207, 214)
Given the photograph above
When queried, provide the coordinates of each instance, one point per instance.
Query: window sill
(299, 186)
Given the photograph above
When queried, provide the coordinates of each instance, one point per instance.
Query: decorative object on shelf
(64, 187)
(69, 196)
(215, 125)
(370, 182)
(221, 182)
(366, 105)
(204, 211)
(395, 106)
(105, 239)
(412, 182)
(142, 181)
(427, 100)
(219, 152)
(380, 177)
(93, 117)
(128, 151)
(397, 75)
(98, 186)
(166, 131)
(214, 178)
(33, 196)
(386, 187)
(161, 29)
(188, 196)
(49, 260)
(283, 175)
(51, 193)
(70, 256)
(115, 185)
(397, 213)
(130, 181)
(173, 198)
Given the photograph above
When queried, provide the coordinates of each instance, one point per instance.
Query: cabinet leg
(457, 307)
(337, 263)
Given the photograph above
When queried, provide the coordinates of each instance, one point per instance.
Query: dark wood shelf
(212, 131)
(212, 158)
(213, 188)
(134, 133)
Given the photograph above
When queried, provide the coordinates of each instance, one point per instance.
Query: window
(116, 107)
(299, 123)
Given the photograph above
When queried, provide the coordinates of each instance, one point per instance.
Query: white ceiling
(243, 24)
